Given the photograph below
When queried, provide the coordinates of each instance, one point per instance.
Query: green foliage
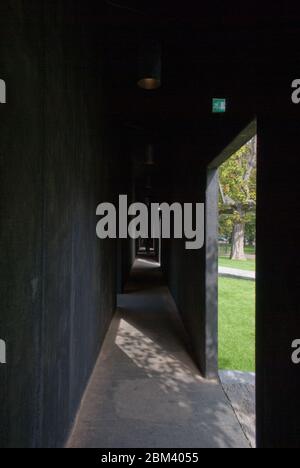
(250, 229)
(237, 200)
(238, 176)
(225, 226)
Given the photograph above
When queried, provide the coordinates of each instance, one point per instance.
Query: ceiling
(210, 49)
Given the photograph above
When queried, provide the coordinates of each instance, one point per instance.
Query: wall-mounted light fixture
(150, 65)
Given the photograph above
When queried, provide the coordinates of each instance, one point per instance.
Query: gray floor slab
(240, 390)
(145, 390)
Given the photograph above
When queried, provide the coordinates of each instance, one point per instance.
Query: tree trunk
(238, 242)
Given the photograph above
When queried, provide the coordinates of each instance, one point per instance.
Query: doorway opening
(231, 275)
(236, 282)
(237, 259)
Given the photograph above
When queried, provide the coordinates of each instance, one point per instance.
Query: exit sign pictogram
(219, 106)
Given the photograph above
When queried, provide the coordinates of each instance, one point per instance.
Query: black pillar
(278, 312)
(211, 276)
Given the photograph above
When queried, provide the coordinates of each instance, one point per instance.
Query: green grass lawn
(249, 250)
(239, 264)
(225, 249)
(236, 324)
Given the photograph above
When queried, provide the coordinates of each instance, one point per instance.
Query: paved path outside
(240, 390)
(235, 273)
(145, 390)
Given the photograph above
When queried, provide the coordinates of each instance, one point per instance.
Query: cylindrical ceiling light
(150, 156)
(150, 65)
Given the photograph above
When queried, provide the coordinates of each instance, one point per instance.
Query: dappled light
(146, 387)
(152, 358)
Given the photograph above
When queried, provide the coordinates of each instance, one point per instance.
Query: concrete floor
(240, 390)
(145, 391)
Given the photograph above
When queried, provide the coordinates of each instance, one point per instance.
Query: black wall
(278, 285)
(185, 269)
(192, 274)
(58, 160)
(278, 231)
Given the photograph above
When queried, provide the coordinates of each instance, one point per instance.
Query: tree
(237, 183)
(250, 230)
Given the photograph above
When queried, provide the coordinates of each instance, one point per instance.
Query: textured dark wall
(278, 285)
(192, 274)
(277, 304)
(58, 281)
(185, 269)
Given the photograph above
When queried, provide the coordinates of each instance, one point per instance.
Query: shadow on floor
(145, 390)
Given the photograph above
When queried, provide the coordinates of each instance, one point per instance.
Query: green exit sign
(219, 106)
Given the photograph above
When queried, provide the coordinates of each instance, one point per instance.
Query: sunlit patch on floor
(153, 359)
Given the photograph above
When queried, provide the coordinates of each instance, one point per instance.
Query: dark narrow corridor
(119, 104)
(145, 389)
